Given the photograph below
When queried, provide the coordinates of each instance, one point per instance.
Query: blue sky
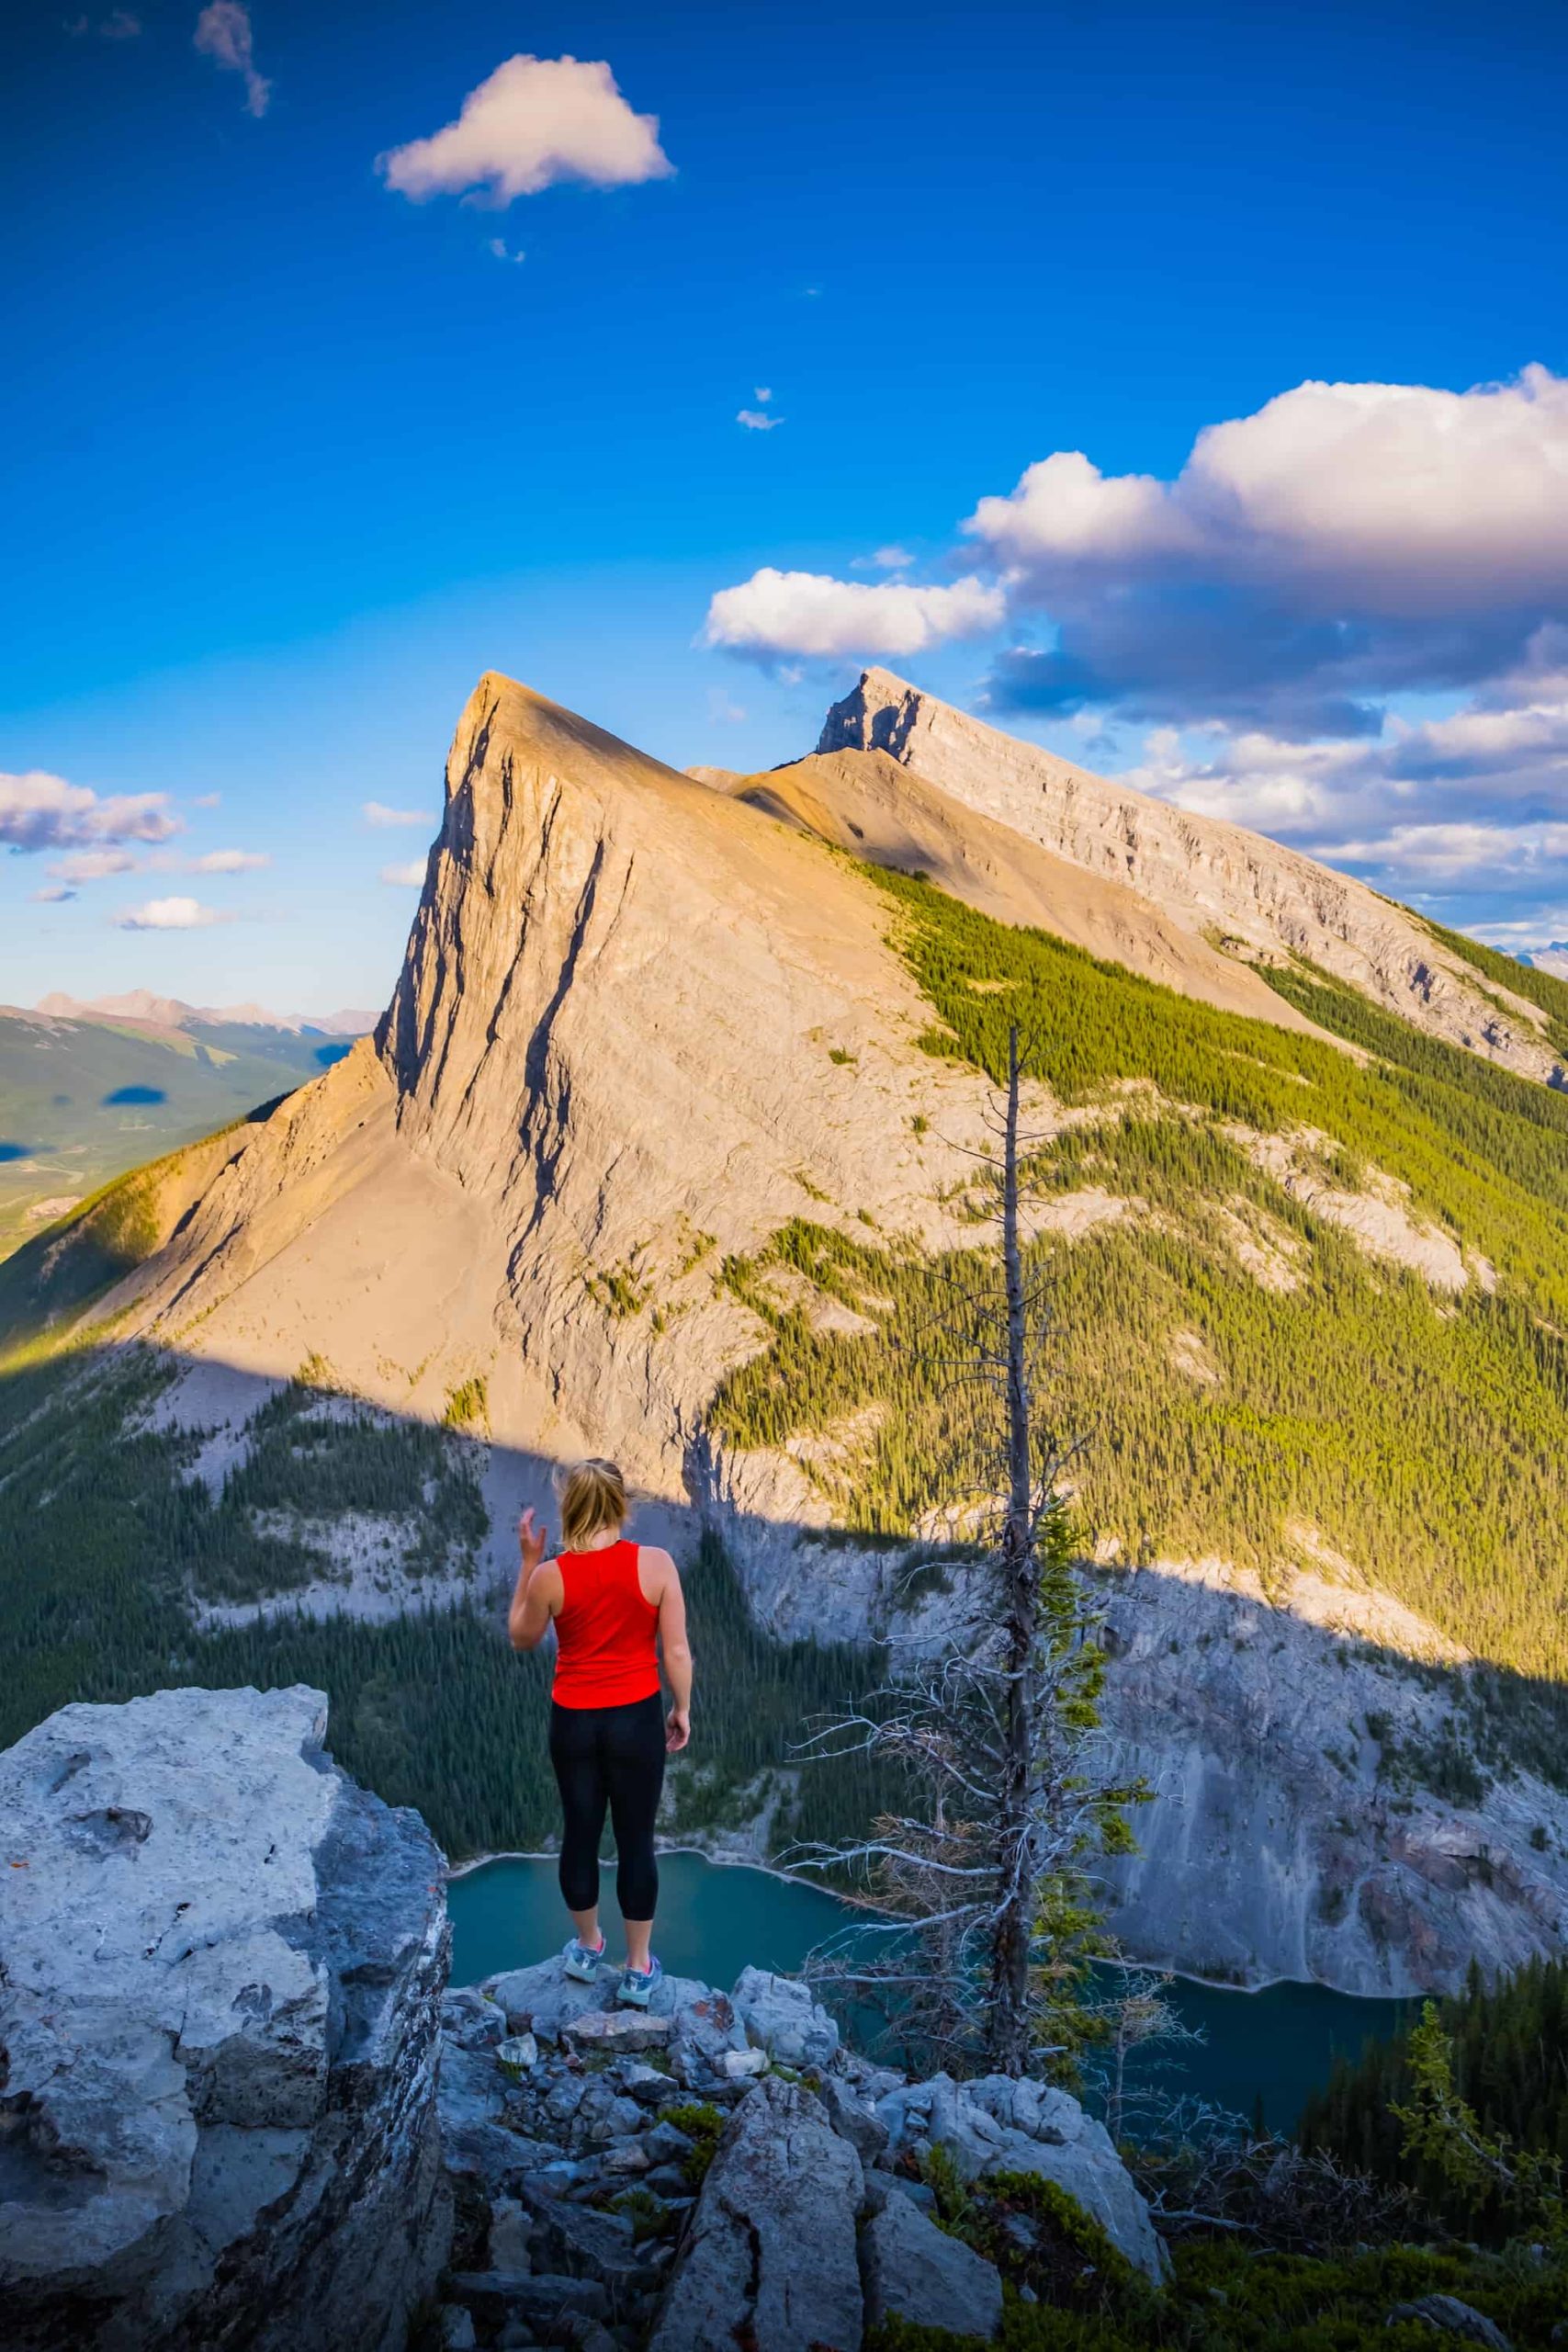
(292, 453)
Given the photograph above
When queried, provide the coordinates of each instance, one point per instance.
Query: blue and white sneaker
(638, 1986)
(580, 1960)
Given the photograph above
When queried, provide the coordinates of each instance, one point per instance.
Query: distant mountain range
(1552, 958)
(665, 1148)
(170, 1012)
(89, 1090)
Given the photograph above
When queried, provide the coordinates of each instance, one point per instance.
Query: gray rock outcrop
(221, 1965)
(997, 2125)
(913, 2270)
(771, 2258)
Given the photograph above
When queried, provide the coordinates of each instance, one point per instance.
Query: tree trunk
(1007, 2036)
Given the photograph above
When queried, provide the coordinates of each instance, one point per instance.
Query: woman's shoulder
(655, 1568)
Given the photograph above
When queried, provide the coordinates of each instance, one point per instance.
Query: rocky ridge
(1204, 874)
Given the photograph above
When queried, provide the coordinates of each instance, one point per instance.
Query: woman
(613, 1606)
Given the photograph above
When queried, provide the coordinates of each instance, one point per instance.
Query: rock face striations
(221, 1965)
(1201, 871)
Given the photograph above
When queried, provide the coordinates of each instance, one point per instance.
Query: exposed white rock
(221, 1965)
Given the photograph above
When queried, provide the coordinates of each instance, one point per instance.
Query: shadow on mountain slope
(1326, 1806)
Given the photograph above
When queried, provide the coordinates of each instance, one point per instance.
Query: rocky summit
(240, 2108)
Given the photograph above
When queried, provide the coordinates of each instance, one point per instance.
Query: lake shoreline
(791, 1878)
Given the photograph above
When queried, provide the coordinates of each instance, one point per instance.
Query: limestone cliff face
(221, 1966)
(1201, 871)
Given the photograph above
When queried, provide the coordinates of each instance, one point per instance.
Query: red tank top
(606, 1653)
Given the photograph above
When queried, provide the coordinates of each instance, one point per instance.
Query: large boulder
(914, 2271)
(222, 1967)
(770, 2260)
(998, 2125)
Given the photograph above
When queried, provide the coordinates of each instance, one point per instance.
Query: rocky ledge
(221, 1965)
(623, 2179)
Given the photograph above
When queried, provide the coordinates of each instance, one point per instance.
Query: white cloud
(756, 420)
(42, 811)
(54, 894)
(405, 877)
(229, 861)
(1403, 498)
(762, 394)
(375, 812)
(171, 914)
(810, 613)
(206, 800)
(503, 251)
(93, 865)
(536, 121)
(889, 558)
(223, 33)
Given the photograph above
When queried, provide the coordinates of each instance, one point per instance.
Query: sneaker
(636, 1987)
(580, 1960)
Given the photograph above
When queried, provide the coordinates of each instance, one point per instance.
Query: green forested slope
(108, 1542)
(1423, 1436)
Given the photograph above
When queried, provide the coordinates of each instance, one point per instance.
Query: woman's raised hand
(531, 1540)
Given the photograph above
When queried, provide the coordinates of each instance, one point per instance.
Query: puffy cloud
(409, 876)
(1345, 542)
(223, 33)
(41, 811)
(171, 914)
(230, 861)
(375, 812)
(536, 121)
(811, 613)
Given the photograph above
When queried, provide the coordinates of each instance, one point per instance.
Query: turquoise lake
(1272, 2047)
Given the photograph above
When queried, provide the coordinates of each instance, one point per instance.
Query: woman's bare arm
(659, 1571)
(540, 1592)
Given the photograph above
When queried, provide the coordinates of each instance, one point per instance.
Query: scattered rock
(914, 2271)
(518, 2050)
(781, 2017)
(1449, 2316)
(781, 2183)
(454, 2328)
(221, 2001)
(627, 2030)
(740, 2065)
(853, 2119)
(541, 2300)
(666, 2144)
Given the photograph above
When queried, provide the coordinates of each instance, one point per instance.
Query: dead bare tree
(980, 1889)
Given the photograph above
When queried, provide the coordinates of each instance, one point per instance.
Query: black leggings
(615, 1756)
